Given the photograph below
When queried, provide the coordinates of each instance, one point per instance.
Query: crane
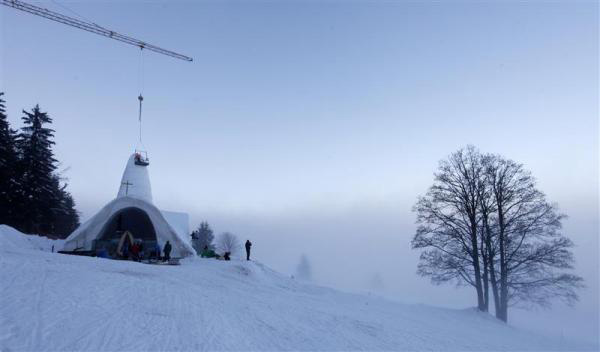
(90, 27)
(141, 156)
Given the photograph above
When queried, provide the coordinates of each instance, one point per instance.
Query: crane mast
(90, 27)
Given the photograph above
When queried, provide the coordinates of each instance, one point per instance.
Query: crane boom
(90, 27)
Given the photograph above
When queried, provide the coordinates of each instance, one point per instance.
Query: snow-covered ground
(55, 302)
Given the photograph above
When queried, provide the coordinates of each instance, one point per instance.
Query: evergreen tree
(376, 283)
(66, 218)
(304, 270)
(8, 168)
(32, 198)
(36, 167)
(203, 237)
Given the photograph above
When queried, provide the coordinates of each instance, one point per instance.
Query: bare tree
(484, 223)
(532, 254)
(448, 223)
(228, 242)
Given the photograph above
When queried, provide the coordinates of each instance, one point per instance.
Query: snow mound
(65, 303)
(15, 240)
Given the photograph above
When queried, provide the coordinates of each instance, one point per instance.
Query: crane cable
(141, 88)
(140, 65)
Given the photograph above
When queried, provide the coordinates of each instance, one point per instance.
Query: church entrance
(132, 220)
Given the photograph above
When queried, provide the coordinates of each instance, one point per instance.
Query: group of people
(210, 253)
(132, 251)
(136, 252)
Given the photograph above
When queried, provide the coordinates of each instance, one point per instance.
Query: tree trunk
(490, 264)
(486, 287)
(476, 267)
(503, 268)
(495, 292)
(493, 280)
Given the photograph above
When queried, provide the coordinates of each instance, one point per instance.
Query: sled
(80, 252)
(172, 261)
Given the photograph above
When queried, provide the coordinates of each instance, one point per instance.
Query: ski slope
(59, 302)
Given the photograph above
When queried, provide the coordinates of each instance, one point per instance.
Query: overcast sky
(312, 127)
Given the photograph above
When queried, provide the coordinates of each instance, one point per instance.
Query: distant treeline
(33, 197)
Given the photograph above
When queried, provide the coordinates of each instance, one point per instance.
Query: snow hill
(59, 302)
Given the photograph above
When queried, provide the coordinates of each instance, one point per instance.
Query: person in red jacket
(135, 252)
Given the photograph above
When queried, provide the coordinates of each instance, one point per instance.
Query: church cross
(127, 184)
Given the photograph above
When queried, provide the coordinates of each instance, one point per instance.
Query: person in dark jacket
(167, 251)
(248, 246)
(125, 250)
(157, 251)
(141, 250)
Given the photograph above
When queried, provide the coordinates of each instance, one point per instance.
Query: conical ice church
(133, 212)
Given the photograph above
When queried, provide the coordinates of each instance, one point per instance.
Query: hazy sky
(311, 127)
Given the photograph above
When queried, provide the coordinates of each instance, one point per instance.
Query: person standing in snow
(141, 249)
(135, 251)
(167, 251)
(125, 250)
(157, 251)
(248, 246)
